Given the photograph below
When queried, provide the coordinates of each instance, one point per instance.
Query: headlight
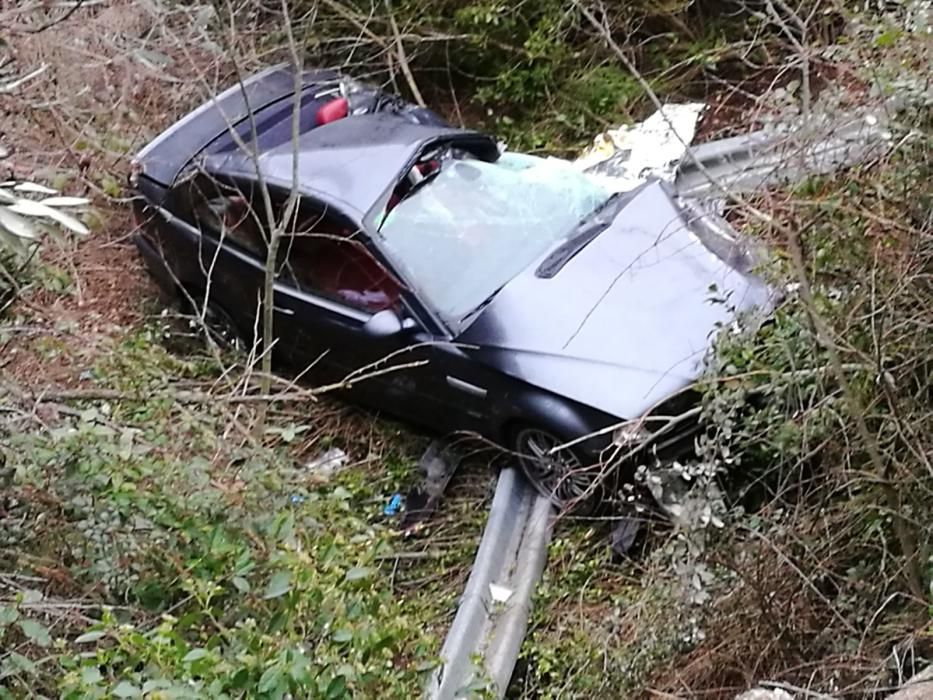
(630, 435)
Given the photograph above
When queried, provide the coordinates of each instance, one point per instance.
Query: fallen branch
(193, 396)
(12, 85)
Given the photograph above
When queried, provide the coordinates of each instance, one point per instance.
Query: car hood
(629, 319)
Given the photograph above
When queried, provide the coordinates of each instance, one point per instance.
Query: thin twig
(402, 58)
(51, 23)
(11, 86)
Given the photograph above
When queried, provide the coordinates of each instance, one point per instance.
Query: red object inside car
(343, 269)
(332, 111)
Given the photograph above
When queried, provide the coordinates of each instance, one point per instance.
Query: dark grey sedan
(522, 301)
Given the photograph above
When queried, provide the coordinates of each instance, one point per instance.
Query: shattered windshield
(475, 225)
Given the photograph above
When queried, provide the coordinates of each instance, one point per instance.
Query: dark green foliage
(535, 73)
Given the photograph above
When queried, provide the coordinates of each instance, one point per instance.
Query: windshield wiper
(582, 235)
(569, 248)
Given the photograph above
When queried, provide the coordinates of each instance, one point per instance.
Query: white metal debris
(624, 157)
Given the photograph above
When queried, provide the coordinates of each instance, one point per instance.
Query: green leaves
(278, 585)
(342, 635)
(8, 615)
(336, 689)
(358, 573)
(35, 632)
(15, 664)
(125, 689)
(91, 675)
(90, 637)
(287, 433)
(195, 655)
(239, 592)
(887, 38)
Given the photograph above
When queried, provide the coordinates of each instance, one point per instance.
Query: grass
(598, 629)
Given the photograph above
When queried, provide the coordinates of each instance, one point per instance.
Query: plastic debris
(763, 694)
(437, 465)
(393, 506)
(500, 594)
(624, 533)
(328, 463)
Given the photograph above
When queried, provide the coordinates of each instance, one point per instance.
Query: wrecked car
(442, 279)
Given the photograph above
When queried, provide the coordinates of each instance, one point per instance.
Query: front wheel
(558, 473)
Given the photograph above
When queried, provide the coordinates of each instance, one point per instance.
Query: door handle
(283, 310)
(466, 387)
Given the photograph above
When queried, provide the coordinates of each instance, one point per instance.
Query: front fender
(565, 418)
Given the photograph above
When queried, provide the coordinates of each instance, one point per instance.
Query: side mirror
(386, 323)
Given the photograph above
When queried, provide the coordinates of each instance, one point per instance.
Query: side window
(321, 256)
(318, 253)
(226, 213)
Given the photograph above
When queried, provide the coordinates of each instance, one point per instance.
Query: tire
(563, 477)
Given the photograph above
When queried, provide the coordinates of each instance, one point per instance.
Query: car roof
(352, 163)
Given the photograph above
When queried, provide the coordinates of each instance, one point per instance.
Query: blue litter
(296, 499)
(393, 506)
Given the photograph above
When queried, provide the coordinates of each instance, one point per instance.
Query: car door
(221, 256)
(328, 287)
(452, 391)
(230, 229)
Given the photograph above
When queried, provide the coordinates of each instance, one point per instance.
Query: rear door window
(228, 214)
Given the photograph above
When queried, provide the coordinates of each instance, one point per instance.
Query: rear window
(273, 124)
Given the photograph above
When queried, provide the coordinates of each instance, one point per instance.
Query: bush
(216, 570)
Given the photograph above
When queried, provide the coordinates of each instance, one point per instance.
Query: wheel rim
(221, 327)
(557, 474)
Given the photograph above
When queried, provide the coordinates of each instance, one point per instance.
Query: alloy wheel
(557, 474)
